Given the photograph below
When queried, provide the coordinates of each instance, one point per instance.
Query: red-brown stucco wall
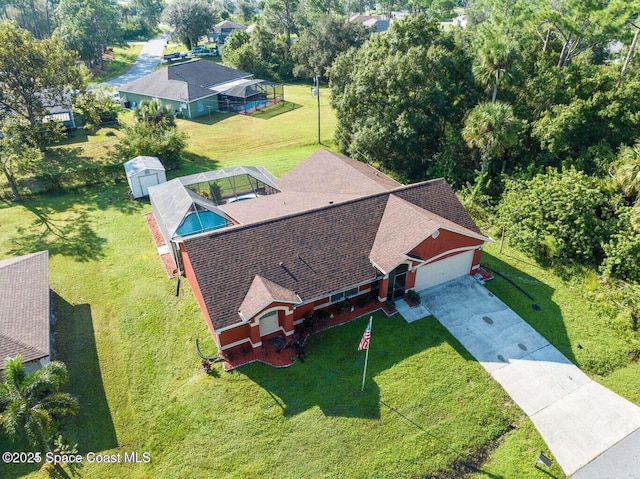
(446, 241)
(195, 287)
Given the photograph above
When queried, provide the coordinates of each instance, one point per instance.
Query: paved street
(149, 58)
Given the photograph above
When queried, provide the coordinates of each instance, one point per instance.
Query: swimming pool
(198, 222)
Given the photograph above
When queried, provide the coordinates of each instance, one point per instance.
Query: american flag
(364, 342)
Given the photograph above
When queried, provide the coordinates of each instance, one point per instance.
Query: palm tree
(492, 128)
(496, 64)
(627, 175)
(29, 403)
(154, 113)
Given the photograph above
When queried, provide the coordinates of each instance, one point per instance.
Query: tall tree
(492, 128)
(16, 155)
(89, 27)
(30, 403)
(319, 45)
(496, 63)
(35, 75)
(190, 19)
(283, 17)
(397, 96)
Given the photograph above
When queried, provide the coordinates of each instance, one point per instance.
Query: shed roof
(141, 163)
(24, 309)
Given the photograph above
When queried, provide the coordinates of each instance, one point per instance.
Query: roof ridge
(241, 227)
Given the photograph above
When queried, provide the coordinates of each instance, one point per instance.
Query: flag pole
(366, 357)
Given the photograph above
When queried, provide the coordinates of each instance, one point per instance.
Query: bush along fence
(46, 182)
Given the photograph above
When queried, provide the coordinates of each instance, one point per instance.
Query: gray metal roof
(141, 163)
(258, 172)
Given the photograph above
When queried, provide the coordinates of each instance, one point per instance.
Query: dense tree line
(530, 106)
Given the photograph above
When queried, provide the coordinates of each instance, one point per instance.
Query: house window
(337, 297)
(343, 295)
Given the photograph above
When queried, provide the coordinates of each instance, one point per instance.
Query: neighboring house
(25, 309)
(222, 30)
(377, 23)
(337, 229)
(199, 87)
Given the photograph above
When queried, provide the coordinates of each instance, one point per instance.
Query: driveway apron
(578, 418)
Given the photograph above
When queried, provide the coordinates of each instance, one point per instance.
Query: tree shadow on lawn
(70, 236)
(331, 376)
(74, 342)
(548, 320)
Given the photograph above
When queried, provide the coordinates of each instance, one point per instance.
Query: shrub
(560, 218)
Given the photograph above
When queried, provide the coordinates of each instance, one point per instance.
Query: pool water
(199, 222)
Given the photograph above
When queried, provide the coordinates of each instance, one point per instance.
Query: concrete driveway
(578, 418)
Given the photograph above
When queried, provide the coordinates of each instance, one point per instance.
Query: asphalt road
(149, 58)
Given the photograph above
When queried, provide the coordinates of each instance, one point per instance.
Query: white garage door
(269, 323)
(444, 270)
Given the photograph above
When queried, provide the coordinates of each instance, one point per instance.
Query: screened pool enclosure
(189, 205)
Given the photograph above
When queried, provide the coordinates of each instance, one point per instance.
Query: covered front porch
(280, 351)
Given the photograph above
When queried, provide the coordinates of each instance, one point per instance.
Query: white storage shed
(143, 172)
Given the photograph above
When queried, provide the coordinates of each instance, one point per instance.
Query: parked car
(202, 51)
(174, 56)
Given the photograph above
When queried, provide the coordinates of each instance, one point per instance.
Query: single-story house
(336, 229)
(143, 172)
(377, 23)
(222, 30)
(194, 88)
(25, 309)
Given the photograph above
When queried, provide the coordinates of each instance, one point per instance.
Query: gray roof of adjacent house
(24, 309)
(227, 25)
(185, 82)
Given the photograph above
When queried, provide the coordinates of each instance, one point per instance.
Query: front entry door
(397, 282)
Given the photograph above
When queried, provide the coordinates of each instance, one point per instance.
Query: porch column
(382, 291)
(254, 334)
(286, 321)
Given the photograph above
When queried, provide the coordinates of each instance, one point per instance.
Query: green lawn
(428, 408)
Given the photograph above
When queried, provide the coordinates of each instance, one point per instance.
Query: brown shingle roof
(326, 171)
(261, 294)
(24, 309)
(313, 253)
(403, 226)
